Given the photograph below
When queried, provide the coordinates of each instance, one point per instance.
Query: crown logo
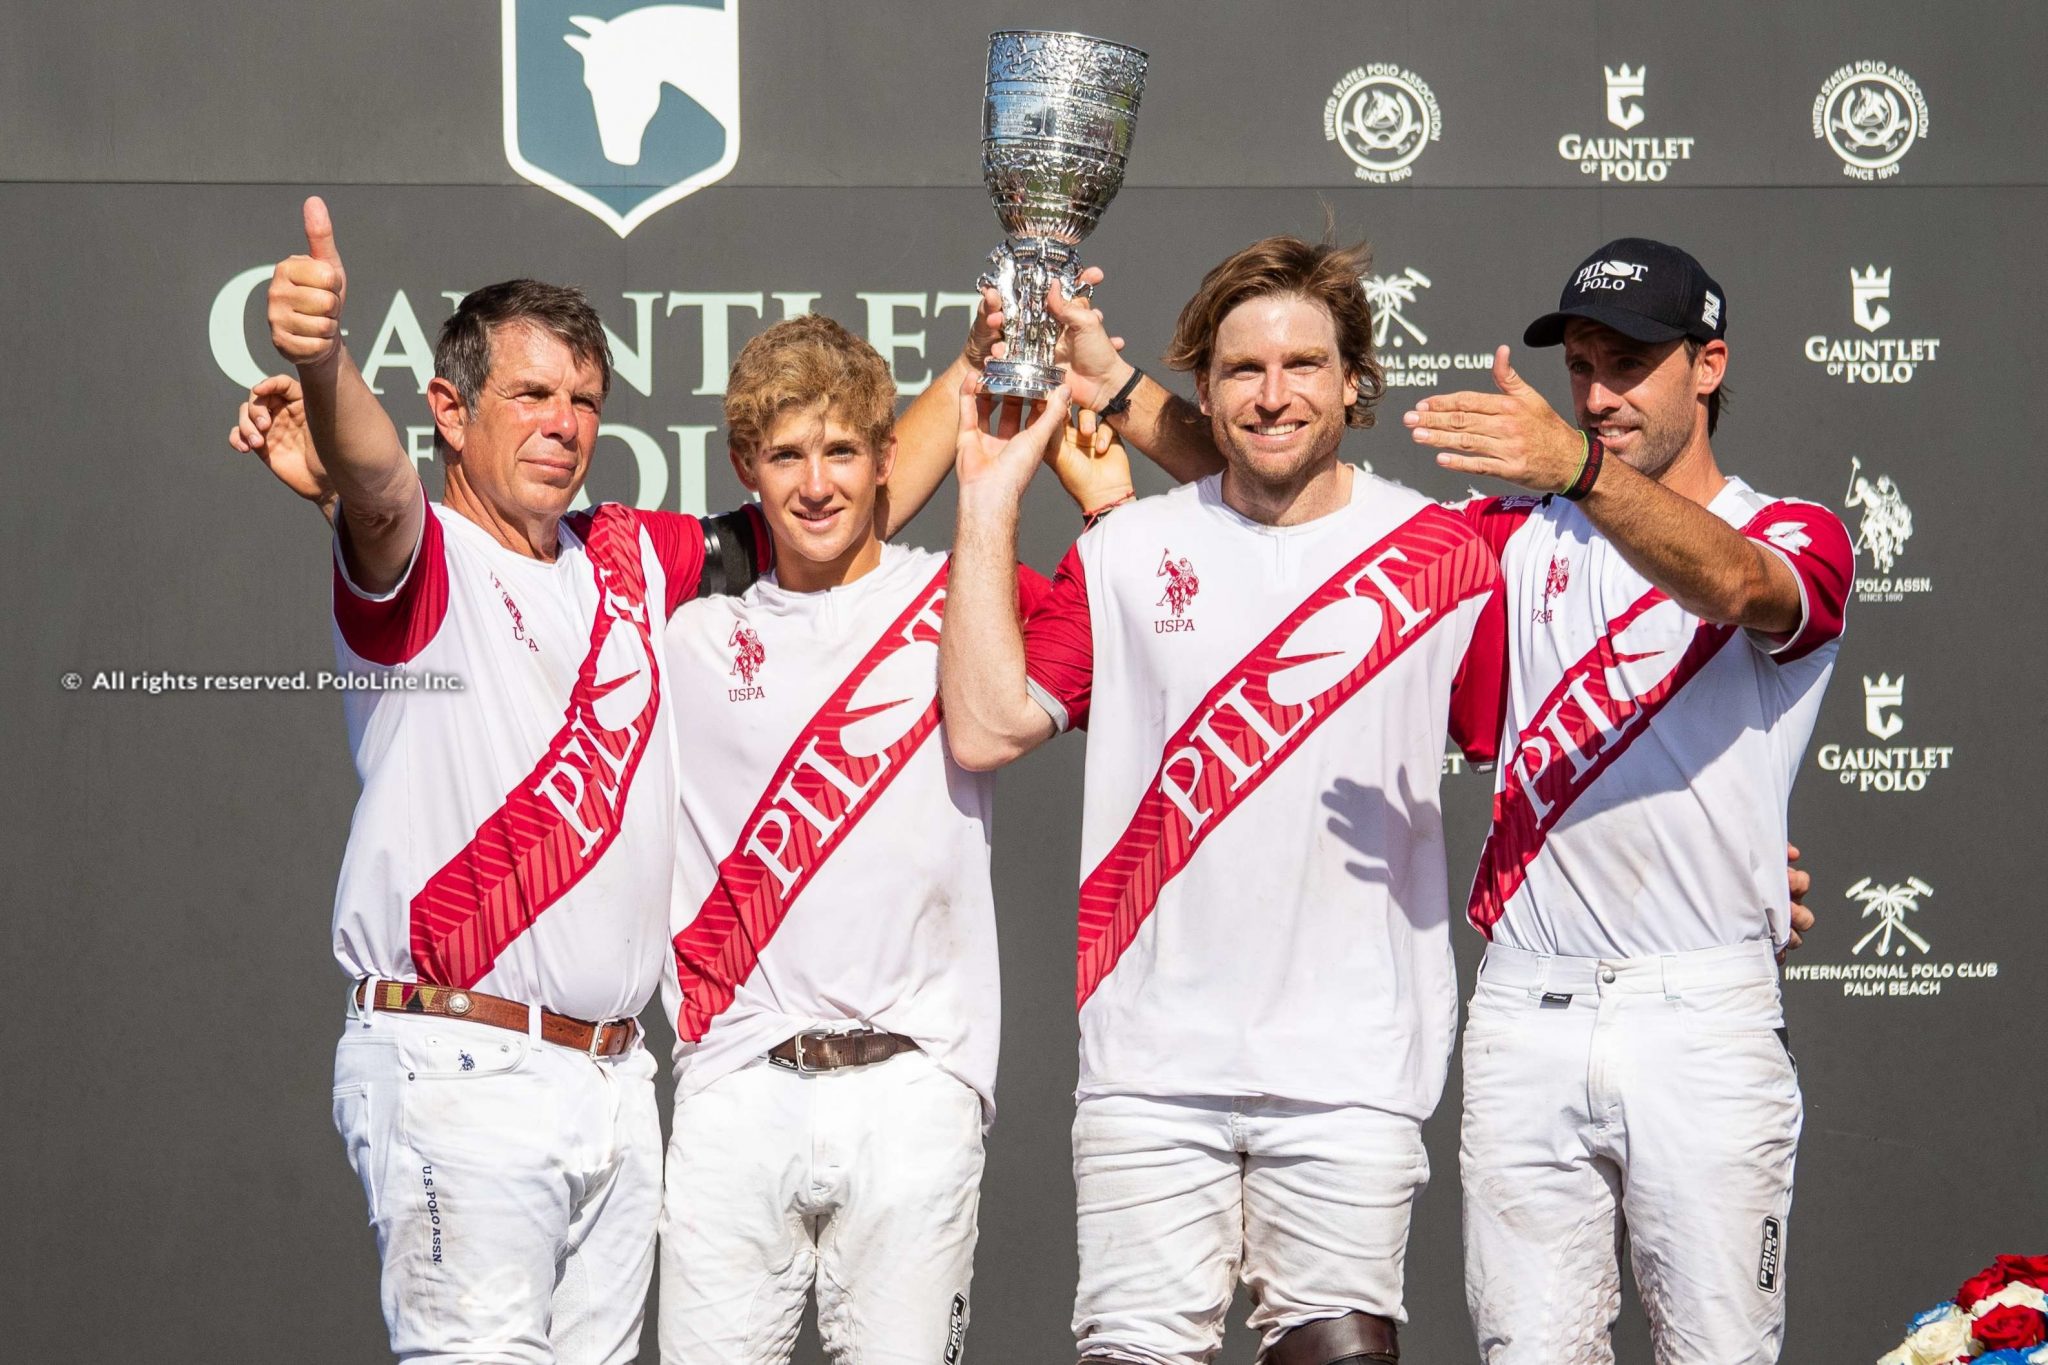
(1623, 87)
(1865, 289)
(1879, 695)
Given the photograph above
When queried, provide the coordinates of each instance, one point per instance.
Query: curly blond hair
(797, 364)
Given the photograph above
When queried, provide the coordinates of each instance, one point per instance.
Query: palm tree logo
(1891, 905)
(1388, 294)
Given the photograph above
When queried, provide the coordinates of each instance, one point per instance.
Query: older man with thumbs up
(504, 897)
(503, 905)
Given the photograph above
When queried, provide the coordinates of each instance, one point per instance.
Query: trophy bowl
(1057, 124)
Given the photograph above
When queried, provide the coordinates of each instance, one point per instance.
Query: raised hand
(995, 466)
(1091, 357)
(1512, 434)
(985, 333)
(1092, 464)
(271, 425)
(306, 294)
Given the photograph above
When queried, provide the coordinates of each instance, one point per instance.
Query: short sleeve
(678, 542)
(391, 628)
(1815, 545)
(680, 545)
(1479, 692)
(1033, 588)
(1059, 644)
(1494, 520)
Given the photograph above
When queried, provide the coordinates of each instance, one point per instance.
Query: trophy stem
(1021, 271)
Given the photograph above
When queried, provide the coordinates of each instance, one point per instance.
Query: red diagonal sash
(1239, 733)
(1588, 721)
(557, 823)
(816, 796)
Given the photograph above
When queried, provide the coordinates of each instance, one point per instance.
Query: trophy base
(1019, 379)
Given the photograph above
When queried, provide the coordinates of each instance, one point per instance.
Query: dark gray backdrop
(176, 1188)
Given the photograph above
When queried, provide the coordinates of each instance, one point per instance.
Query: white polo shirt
(1263, 908)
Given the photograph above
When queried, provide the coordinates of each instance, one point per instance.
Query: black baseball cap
(1642, 289)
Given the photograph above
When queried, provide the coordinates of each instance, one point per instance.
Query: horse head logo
(621, 108)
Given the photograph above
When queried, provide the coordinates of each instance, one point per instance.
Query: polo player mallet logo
(621, 108)
(1887, 522)
(747, 653)
(1558, 578)
(1181, 583)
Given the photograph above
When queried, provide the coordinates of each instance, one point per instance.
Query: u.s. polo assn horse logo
(621, 107)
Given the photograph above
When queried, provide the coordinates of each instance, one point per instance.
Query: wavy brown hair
(1321, 272)
(798, 363)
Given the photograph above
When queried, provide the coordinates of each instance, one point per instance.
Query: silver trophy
(1056, 129)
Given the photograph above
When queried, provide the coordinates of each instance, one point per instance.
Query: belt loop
(1667, 967)
(1542, 985)
(362, 1000)
(533, 1022)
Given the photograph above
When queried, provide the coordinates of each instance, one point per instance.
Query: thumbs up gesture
(306, 294)
(1511, 434)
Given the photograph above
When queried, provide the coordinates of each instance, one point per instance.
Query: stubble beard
(1656, 447)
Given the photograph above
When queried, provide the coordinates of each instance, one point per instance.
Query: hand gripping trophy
(1056, 129)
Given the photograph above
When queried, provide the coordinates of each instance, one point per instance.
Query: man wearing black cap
(1671, 631)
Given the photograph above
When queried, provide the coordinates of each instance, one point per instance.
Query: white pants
(514, 1186)
(1650, 1097)
(1178, 1197)
(865, 1180)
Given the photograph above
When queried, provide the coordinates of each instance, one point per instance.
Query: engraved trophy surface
(1056, 129)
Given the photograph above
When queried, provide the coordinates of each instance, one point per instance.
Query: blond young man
(833, 979)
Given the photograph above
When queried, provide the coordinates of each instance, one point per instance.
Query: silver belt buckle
(798, 1064)
(803, 1068)
(599, 1030)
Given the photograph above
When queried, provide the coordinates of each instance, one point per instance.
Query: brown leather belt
(808, 1052)
(418, 997)
(1353, 1339)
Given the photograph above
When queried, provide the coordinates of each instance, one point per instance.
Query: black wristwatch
(1122, 402)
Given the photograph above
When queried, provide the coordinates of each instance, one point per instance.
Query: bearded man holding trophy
(1266, 992)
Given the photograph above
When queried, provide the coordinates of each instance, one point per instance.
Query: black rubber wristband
(1582, 485)
(1122, 402)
